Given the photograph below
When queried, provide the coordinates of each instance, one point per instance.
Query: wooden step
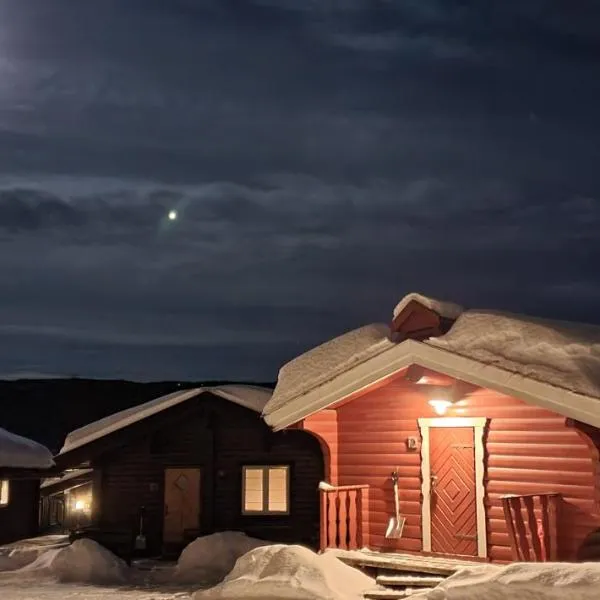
(407, 563)
(409, 580)
(388, 594)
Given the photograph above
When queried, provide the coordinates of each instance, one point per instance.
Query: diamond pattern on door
(453, 506)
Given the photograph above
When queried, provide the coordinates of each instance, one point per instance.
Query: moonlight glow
(172, 215)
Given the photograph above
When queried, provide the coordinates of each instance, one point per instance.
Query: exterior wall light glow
(440, 405)
(79, 505)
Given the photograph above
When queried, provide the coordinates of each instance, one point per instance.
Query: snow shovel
(396, 524)
(140, 540)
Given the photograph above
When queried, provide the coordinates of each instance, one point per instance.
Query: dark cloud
(324, 159)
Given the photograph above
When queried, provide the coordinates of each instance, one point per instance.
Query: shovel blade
(395, 528)
(140, 542)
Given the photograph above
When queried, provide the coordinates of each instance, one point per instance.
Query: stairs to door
(391, 585)
(401, 575)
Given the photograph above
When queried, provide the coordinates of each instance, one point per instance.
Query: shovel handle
(396, 500)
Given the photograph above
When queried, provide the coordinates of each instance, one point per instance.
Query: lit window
(4, 492)
(265, 490)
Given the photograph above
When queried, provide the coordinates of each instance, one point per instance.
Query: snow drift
(327, 361)
(280, 572)
(565, 355)
(209, 558)
(19, 554)
(22, 453)
(84, 561)
(520, 581)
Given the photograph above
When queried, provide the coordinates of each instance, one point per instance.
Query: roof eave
(569, 404)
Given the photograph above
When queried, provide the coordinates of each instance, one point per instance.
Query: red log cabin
(490, 420)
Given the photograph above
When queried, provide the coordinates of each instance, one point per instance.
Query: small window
(4, 492)
(265, 490)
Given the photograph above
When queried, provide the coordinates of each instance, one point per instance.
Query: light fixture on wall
(441, 398)
(440, 405)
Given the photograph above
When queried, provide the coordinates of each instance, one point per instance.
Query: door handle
(434, 481)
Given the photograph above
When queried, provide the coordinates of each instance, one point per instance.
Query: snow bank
(449, 310)
(252, 397)
(323, 363)
(280, 572)
(210, 558)
(19, 554)
(22, 453)
(7, 563)
(520, 581)
(84, 561)
(566, 355)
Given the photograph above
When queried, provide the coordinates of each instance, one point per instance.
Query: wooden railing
(342, 517)
(532, 523)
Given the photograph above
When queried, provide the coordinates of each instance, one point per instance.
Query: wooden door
(453, 497)
(182, 503)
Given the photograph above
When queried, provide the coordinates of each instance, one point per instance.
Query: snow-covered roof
(325, 362)
(250, 396)
(17, 452)
(552, 364)
(448, 310)
(68, 476)
(562, 354)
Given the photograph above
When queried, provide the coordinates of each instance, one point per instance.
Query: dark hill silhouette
(47, 409)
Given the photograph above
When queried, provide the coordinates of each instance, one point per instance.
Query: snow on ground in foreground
(21, 553)
(23, 589)
(281, 572)
(210, 558)
(84, 561)
(87, 571)
(520, 581)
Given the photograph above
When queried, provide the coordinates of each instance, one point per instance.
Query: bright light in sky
(172, 215)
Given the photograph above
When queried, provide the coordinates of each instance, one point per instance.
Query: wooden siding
(219, 437)
(19, 519)
(527, 450)
(324, 426)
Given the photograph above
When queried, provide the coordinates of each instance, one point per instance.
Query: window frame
(4, 491)
(265, 512)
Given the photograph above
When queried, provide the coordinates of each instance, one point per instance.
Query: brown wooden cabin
(193, 463)
(65, 502)
(19, 501)
(508, 469)
(19, 498)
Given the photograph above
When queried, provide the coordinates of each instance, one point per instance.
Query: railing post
(342, 519)
(323, 521)
(540, 536)
(553, 512)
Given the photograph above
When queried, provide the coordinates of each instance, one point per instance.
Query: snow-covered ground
(231, 566)
(223, 565)
(520, 581)
(48, 589)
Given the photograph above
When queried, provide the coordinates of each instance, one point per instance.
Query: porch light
(440, 405)
(79, 505)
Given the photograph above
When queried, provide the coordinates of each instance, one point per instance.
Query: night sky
(324, 159)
